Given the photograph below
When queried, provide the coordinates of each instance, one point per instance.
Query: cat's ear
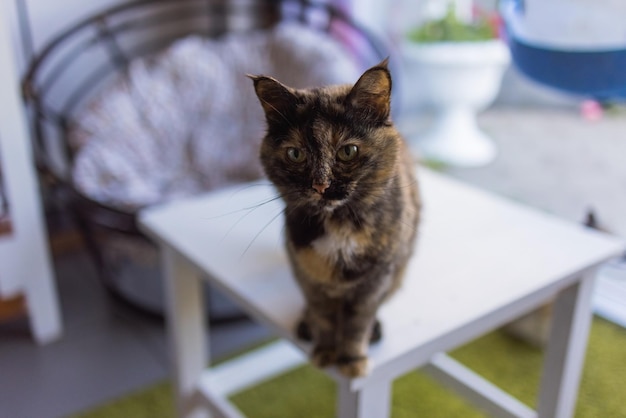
(371, 95)
(277, 99)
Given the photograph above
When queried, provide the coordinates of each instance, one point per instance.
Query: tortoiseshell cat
(352, 206)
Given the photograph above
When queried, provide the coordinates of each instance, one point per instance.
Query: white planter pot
(457, 79)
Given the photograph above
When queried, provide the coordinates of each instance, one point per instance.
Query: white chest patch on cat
(334, 245)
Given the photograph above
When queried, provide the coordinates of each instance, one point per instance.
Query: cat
(352, 206)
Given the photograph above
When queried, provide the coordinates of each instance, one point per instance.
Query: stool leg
(373, 401)
(565, 352)
(186, 329)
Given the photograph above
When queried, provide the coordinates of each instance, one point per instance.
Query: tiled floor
(107, 350)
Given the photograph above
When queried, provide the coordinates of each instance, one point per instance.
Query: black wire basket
(78, 63)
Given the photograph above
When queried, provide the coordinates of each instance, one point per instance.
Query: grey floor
(107, 351)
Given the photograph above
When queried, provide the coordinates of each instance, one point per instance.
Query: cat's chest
(332, 256)
(333, 246)
(323, 248)
(339, 242)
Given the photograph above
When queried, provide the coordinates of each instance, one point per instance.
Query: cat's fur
(350, 223)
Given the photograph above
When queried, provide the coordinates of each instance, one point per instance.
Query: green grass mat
(512, 365)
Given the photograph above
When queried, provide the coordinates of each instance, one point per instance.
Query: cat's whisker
(251, 207)
(247, 186)
(357, 218)
(234, 225)
(261, 231)
(244, 209)
(381, 188)
(248, 211)
(263, 203)
(384, 184)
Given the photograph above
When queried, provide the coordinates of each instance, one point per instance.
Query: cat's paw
(303, 331)
(377, 332)
(323, 356)
(352, 366)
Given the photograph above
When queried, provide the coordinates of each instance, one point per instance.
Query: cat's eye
(296, 155)
(348, 152)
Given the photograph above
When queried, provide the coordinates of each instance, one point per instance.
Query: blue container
(596, 73)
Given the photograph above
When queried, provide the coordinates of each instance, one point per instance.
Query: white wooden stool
(481, 262)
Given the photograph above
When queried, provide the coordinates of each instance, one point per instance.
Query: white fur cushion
(187, 120)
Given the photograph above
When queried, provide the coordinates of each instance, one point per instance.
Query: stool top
(481, 260)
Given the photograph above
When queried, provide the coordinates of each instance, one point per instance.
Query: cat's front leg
(357, 324)
(318, 326)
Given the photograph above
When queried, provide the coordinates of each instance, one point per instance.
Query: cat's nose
(321, 187)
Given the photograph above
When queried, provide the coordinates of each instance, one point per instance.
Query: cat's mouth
(333, 195)
(331, 199)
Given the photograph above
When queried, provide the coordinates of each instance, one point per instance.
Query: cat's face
(329, 146)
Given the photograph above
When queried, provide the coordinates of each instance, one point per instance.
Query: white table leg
(373, 401)
(565, 352)
(187, 330)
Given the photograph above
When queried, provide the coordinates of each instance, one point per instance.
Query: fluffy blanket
(187, 120)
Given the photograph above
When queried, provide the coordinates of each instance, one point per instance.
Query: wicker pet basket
(79, 62)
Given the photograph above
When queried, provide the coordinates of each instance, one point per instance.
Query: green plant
(450, 29)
